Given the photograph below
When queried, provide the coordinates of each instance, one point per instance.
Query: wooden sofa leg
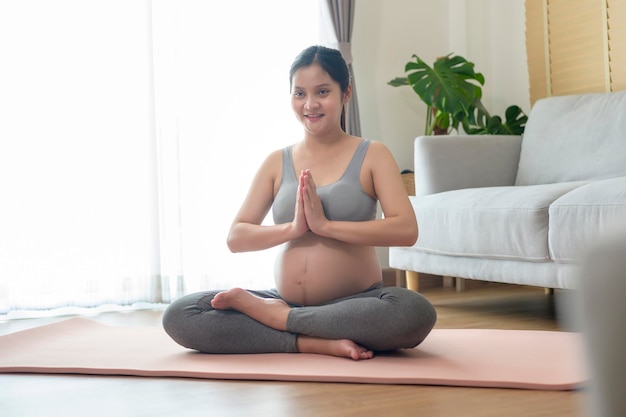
(458, 283)
(412, 280)
(448, 282)
(400, 281)
(548, 291)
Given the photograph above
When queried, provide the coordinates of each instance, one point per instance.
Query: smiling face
(317, 100)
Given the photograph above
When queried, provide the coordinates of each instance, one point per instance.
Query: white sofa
(515, 209)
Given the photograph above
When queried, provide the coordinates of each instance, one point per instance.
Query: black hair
(331, 61)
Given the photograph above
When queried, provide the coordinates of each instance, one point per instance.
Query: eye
(298, 93)
(323, 92)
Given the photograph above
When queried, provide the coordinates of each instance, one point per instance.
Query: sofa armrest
(444, 163)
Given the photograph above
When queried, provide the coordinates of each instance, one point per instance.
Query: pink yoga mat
(529, 359)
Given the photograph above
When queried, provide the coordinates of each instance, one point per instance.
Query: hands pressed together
(309, 213)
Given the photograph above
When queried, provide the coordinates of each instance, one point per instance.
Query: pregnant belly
(313, 270)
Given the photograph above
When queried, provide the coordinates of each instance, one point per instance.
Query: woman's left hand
(313, 210)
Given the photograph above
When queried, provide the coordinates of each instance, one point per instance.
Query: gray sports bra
(343, 200)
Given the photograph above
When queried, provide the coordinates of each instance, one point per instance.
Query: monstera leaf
(479, 121)
(450, 87)
(446, 86)
(452, 91)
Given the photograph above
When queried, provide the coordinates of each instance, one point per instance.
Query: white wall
(496, 43)
(489, 33)
(386, 34)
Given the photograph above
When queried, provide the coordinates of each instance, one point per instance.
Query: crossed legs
(275, 312)
(240, 321)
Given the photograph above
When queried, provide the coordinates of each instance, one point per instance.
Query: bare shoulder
(275, 157)
(272, 163)
(379, 155)
(270, 171)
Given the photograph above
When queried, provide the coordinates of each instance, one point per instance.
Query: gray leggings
(380, 319)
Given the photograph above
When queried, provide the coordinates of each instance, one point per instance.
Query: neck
(325, 140)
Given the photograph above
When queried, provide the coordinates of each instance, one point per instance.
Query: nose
(311, 102)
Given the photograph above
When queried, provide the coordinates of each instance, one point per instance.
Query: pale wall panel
(576, 45)
(616, 11)
(583, 44)
(536, 50)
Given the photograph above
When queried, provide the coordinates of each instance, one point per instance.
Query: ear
(348, 94)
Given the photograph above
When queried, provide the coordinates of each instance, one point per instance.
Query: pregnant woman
(323, 191)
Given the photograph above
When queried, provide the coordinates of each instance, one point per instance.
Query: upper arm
(387, 182)
(260, 195)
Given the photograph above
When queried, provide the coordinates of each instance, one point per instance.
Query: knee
(416, 316)
(173, 316)
(425, 318)
(179, 317)
(174, 322)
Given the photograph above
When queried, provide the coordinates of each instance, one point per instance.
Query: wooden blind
(536, 52)
(616, 17)
(575, 46)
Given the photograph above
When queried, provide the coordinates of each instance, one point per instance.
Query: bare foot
(344, 348)
(269, 311)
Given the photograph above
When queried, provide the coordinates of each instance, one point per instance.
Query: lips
(313, 116)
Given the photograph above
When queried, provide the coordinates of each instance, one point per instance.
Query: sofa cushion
(493, 222)
(580, 217)
(571, 138)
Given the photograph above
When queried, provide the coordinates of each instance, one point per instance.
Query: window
(129, 133)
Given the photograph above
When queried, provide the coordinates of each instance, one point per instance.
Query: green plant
(480, 122)
(452, 91)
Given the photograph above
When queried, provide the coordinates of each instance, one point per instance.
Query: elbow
(411, 235)
(405, 232)
(407, 237)
(237, 239)
(231, 243)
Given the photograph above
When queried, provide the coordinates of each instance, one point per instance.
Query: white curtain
(338, 20)
(129, 133)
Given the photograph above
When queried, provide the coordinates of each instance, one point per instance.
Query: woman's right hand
(299, 224)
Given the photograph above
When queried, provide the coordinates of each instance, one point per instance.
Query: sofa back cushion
(573, 138)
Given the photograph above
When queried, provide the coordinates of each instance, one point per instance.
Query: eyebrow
(317, 86)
